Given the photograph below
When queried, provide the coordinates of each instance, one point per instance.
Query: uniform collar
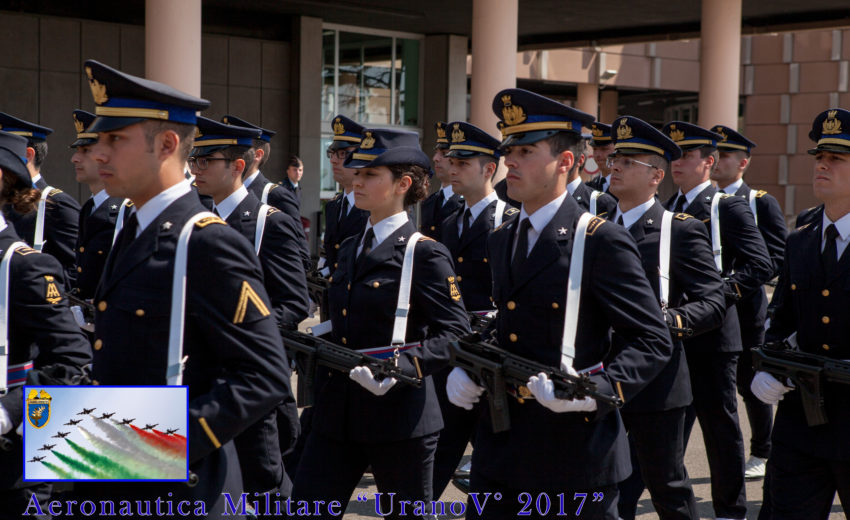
(842, 225)
(734, 187)
(152, 208)
(633, 215)
(479, 206)
(448, 193)
(229, 204)
(691, 195)
(540, 218)
(386, 227)
(573, 186)
(36, 179)
(248, 180)
(98, 199)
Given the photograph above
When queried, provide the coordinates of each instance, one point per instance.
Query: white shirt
(476, 210)
(152, 208)
(691, 195)
(384, 229)
(448, 192)
(350, 197)
(98, 199)
(732, 188)
(248, 180)
(843, 226)
(3, 226)
(539, 220)
(634, 214)
(573, 186)
(229, 204)
(36, 179)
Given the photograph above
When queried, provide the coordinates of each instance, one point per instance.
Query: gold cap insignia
(676, 135)
(624, 131)
(339, 128)
(597, 132)
(441, 132)
(457, 134)
(98, 90)
(368, 141)
(78, 125)
(198, 132)
(512, 114)
(831, 125)
(224, 120)
(453, 290)
(721, 132)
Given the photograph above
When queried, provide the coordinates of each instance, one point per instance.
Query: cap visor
(107, 124)
(465, 154)
(12, 163)
(83, 142)
(834, 148)
(528, 137)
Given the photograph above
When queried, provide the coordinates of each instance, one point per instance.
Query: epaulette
(760, 194)
(271, 210)
(593, 225)
(337, 196)
(804, 226)
(725, 195)
(129, 204)
(273, 186)
(424, 238)
(682, 216)
(511, 212)
(24, 251)
(54, 191)
(206, 221)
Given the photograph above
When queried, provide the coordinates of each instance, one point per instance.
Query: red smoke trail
(160, 441)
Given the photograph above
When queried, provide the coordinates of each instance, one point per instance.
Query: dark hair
(567, 141)
(296, 161)
(246, 153)
(660, 162)
(40, 148)
(706, 151)
(419, 185)
(21, 196)
(186, 133)
(259, 144)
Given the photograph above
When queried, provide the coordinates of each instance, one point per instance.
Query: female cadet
(360, 421)
(45, 345)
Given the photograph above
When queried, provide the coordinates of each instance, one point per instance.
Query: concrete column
(588, 98)
(494, 49)
(608, 100)
(444, 96)
(173, 43)
(720, 62)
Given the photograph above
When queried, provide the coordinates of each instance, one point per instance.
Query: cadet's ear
(237, 166)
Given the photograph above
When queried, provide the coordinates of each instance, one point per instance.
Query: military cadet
(358, 420)
(235, 370)
(99, 214)
(735, 150)
(742, 259)
(52, 227)
(556, 445)
(443, 202)
(692, 302)
(589, 199)
(473, 157)
(603, 146)
(342, 218)
(45, 345)
(292, 181)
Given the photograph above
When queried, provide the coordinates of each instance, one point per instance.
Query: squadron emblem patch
(453, 290)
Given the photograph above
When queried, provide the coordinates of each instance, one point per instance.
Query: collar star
(247, 213)
(114, 206)
(649, 221)
(562, 231)
(166, 226)
(401, 238)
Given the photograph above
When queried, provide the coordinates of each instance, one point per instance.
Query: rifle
(495, 369)
(310, 351)
(479, 323)
(809, 372)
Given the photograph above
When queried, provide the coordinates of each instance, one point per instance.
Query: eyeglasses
(202, 163)
(336, 154)
(626, 162)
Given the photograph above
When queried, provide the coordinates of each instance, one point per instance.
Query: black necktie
(620, 221)
(85, 212)
(680, 204)
(128, 234)
(438, 207)
(368, 238)
(344, 211)
(829, 257)
(467, 218)
(521, 251)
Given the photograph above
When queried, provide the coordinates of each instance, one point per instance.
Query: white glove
(768, 389)
(544, 391)
(461, 390)
(78, 315)
(364, 377)
(20, 429)
(5, 421)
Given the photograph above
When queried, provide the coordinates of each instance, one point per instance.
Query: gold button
(825, 346)
(433, 228)
(485, 260)
(555, 305)
(513, 337)
(511, 305)
(98, 344)
(793, 287)
(336, 246)
(100, 252)
(82, 249)
(330, 278)
(344, 312)
(376, 284)
(79, 269)
(101, 306)
(460, 259)
(95, 382)
(140, 312)
(825, 320)
(344, 341)
(825, 292)
(348, 286)
(336, 265)
(459, 278)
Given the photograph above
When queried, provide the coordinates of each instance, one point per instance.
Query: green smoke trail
(112, 469)
(59, 471)
(77, 465)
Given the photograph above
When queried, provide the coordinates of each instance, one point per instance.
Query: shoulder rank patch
(206, 221)
(129, 204)
(423, 238)
(273, 186)
(804, 226)
(511, 212)
(272, 209)
(593, 225)
(682, 216)
(54, 191)
(24, 251)
(53, 296)
(453, 290)
(248, 295)
(706, 220)
(760, 194)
